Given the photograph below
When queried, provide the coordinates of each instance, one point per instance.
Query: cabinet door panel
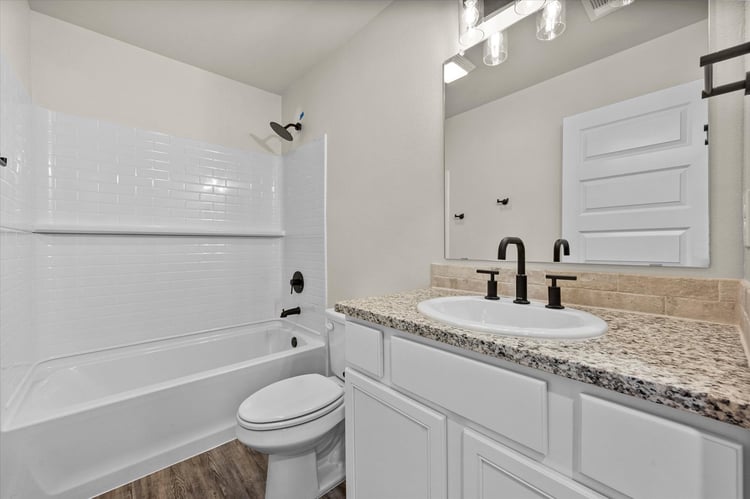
(395, 447)
(671, 460)
(491, 470)
(511, 404)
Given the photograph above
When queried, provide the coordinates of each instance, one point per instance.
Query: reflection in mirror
(504, 139)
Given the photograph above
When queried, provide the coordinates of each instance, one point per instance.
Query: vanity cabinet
(424, 420)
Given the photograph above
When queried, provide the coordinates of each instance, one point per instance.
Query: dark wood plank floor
(230, 471)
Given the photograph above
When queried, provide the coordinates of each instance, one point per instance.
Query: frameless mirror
(596, 136)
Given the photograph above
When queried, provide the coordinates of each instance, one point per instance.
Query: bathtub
(84, 424)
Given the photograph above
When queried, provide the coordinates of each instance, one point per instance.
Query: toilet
(299, 423)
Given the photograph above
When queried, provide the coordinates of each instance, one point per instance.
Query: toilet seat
(279, 425)
(290, 402)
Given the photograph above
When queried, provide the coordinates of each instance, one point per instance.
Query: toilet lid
(290, 398)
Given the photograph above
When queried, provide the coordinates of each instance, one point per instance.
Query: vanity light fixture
(471, 14)
(456, 67)
(496, 48)
(550, 21)
(526, 7)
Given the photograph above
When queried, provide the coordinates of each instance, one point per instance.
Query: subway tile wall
(304, 224)
(15, 143)
(95, 173)
(17, 342)
(103, 291)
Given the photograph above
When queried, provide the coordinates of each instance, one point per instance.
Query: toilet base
(308, 475)
(292, 477)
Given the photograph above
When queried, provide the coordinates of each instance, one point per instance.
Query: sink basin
(506, 318)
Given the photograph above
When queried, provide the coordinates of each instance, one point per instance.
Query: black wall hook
(459, 216)
(503, 201)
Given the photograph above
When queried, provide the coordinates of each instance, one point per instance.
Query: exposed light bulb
(550, 22)
(496, 48)
(471, 15)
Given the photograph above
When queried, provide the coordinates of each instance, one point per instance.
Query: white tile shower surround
(17, 344)
(97, 291)
(98, 174)
(15, 144)
(304, 224)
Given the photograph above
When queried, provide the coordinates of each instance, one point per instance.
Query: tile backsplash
(712, 300)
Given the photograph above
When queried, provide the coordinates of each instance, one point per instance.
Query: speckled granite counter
(690, 365)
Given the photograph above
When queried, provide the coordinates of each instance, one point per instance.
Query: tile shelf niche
(153, 231)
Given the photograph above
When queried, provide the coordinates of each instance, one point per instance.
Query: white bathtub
(84, 424)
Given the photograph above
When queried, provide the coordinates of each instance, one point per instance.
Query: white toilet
(299, 423)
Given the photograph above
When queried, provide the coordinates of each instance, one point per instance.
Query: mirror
(504, 136)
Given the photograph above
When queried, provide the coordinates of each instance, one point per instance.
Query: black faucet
(521, 272)
(291, 311)
(556, 252)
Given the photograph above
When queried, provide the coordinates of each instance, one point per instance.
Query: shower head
(282, 131)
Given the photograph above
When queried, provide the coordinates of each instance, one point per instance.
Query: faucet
(521, 272)
(291, 311)
(556, 252)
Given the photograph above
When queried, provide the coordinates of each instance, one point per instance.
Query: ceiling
(531, 61)
(265, 43)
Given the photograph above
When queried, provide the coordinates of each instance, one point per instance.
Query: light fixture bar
(501, 21)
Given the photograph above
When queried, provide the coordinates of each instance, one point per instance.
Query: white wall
(81, 72)
(508, 147)
(15, 38)
(379, 99)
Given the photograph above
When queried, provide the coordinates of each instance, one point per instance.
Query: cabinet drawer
(642, 455)
(508, 403)
(364, 348)
(492, 470)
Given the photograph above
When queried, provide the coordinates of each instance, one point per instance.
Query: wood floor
(231, 471)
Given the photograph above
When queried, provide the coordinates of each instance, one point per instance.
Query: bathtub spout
(291, 311)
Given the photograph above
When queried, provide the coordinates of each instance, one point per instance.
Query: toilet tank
(336, 329)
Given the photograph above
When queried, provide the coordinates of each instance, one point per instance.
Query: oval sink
(510, 319)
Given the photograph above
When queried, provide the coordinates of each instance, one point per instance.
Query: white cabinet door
(492, 471)
(671, 460)
(395, 447)
(635, 180)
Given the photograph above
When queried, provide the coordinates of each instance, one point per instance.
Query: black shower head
(282, 131)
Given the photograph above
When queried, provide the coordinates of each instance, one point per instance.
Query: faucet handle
(297, 283)
(553, 291)
(491, 284)
(555, 278)
(492, 273)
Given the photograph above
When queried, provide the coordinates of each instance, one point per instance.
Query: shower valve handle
(297, 283)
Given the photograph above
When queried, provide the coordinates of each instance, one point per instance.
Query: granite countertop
(691, 365)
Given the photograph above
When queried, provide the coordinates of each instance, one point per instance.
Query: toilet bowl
(299, 423)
